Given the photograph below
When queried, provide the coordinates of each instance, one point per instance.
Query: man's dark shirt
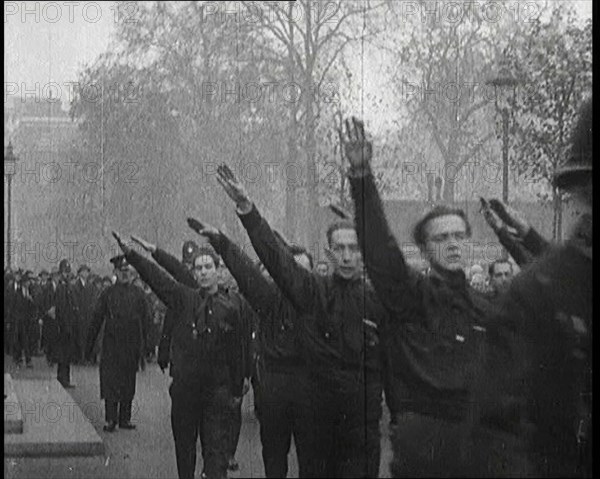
(342, 348)
(184, 276)
(437, 321)
(278, 338)
(214, 355)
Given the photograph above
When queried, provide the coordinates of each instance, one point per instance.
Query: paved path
(148, 452)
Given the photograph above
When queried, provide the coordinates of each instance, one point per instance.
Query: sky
(51, 41)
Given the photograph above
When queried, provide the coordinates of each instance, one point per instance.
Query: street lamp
(10, 161)
(505, 92)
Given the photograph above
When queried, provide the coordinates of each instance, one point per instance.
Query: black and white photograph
(310, 238)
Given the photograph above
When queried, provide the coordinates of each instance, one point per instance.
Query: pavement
(147, 452)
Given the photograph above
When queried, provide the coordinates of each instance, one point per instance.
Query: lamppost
(10, 161)
(505, 92)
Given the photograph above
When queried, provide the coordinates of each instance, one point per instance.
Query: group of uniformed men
(478, 384)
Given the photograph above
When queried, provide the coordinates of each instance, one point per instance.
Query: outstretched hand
(490, 216)
(151, 248)
(234, 188)
(126, 249)
(511, 217)
(203, 229)
(358, 150)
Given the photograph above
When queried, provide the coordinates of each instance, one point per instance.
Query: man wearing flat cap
(534, 393)
(67, 316)
(124, 311)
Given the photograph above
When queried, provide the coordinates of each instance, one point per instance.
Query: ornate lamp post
(505, 92)
(10, 161)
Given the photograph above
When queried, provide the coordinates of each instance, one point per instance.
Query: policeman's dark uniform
(342, 352)
(534, 394)
(281, 386)
(125, 314)
(435, 334)
(67, 318)
(207, 347)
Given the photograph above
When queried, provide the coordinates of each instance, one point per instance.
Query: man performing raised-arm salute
(208, 353)
(341, 319)
(435, 324)
(182, 272)
(281, 386)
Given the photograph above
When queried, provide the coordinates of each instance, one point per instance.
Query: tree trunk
(450, 174)
(311, 177)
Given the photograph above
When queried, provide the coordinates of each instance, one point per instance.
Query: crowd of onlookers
(29, 323)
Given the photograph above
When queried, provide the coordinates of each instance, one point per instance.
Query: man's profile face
(345, 253)
(501, 276)
(205, 272)
(446, 241)
(83, 274)
(43, 279)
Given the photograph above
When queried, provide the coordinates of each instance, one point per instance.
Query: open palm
(358, 150)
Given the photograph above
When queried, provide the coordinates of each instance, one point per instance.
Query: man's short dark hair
(297, 250)
(420, 229)
(338, 225)
(207, 251)
(492, 266)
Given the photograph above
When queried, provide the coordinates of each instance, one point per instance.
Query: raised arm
(171, 264)
(296, 283)
(391, 276)
(175, 268)
(525, 243)
(167, 290)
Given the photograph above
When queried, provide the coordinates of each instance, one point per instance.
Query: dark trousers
(285, 408)
(347, 432)
(430, 447)
(23, 341)
(118, 411)
(200, 412)
(235, 427)
(64, 373)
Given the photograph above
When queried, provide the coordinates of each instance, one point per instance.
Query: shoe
(110, 427)
(127, 425)
(233, 465)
